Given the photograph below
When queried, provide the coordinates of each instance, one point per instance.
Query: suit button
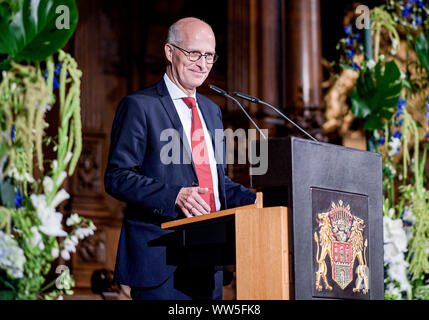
(157, 211)
(195, 184)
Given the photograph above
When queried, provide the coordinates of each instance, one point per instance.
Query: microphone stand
(225, 94)
(256, 100)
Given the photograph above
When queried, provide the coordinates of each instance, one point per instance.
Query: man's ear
(168, 52)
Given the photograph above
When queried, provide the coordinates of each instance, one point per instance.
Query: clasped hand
(191, 203)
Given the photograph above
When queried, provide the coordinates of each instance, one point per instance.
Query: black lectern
(335, 216)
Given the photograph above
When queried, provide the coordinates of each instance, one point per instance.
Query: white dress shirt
(185, 115)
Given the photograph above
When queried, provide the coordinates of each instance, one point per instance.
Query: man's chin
(196, 84)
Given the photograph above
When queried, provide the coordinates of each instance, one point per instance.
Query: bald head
(184, 28)
(186, 37)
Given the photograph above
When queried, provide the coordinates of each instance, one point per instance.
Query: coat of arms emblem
(340, 239)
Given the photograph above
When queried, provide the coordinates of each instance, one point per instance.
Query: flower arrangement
(390, 98)
(37, 77)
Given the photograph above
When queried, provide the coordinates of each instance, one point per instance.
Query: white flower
(395, 246)
(393, 290)
(49, 217)
(84, 232)
(394, 233)
(12, 258)
(48, 184)
(65, 254)
(395, 44)
(392, 254)
(371, 64)
(55, 252)
(398, 272)
(20, 177)
(59, 197)
(28, 177)
(61, 178)
(36, 240)
(69, 245)
(16, 175)
(394, 146)
(73, 219)
(74, 239)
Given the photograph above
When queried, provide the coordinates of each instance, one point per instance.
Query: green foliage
(376, 94)
(33, 233)
(422, 50)
(33, 33)
(393, 100)
(8, 9)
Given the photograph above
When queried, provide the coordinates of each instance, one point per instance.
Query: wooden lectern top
(213, 215)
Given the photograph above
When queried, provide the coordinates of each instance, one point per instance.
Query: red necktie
(200, 155)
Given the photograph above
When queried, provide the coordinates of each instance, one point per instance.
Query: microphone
(258, 101)
(226, 95)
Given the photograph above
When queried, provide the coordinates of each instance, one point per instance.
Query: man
(156, 191)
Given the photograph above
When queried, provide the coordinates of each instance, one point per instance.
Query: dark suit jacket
(136, 175)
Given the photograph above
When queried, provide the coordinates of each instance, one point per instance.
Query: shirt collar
(174, 91)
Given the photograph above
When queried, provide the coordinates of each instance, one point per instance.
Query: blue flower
(18, 199)
(350, 53)
(397, 134)
(350, 41)
(427, 135)
(418, 20)
(405, 13)
(57, 72)
(348, 30)
(420, 3)
(56, 84)
(427, 106)
(401, 103)
(57, 69)
(354, 65)
(12, 132)
(381, 141)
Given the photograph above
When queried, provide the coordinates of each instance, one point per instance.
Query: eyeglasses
(196, 55)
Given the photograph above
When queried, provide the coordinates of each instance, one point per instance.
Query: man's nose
(202, 63)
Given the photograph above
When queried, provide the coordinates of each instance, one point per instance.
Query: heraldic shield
(340, 248)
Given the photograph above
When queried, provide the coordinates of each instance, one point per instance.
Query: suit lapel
(169, 107)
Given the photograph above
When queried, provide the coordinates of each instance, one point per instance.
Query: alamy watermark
(363, 21)
(63, 280)
(63, 20)
(223, 151)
